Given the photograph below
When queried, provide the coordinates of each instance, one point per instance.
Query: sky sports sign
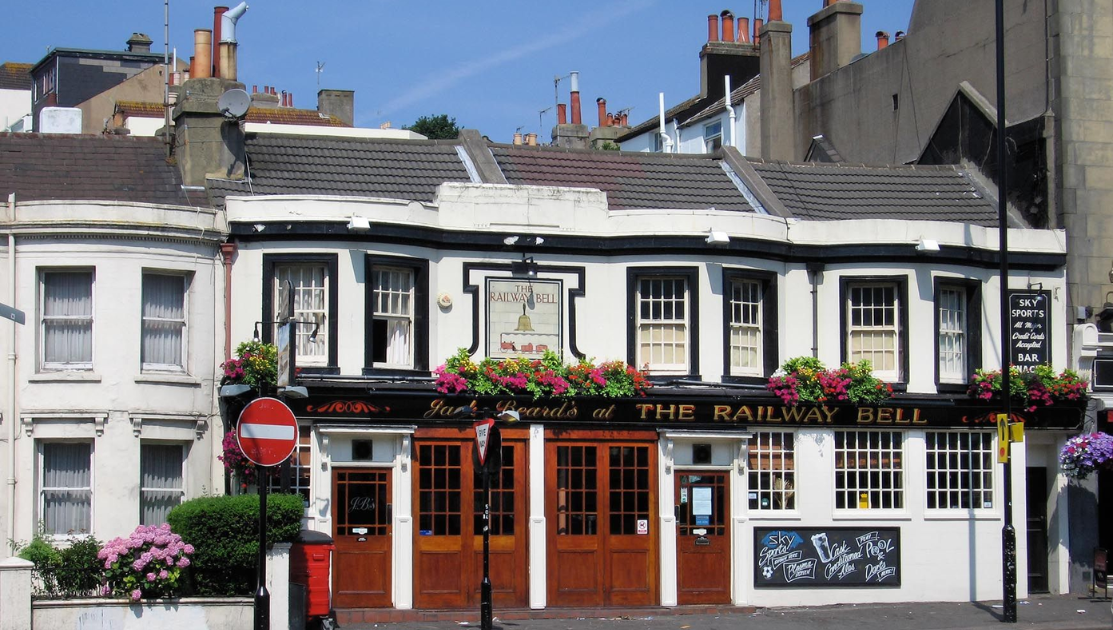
(1030, 313)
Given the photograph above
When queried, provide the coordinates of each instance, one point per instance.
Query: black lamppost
(489, 464)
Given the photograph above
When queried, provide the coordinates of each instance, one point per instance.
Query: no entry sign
(267, 431)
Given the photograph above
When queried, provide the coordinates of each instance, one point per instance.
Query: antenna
(320, 69)
(541, 119)
(234, 104)
(556, 87)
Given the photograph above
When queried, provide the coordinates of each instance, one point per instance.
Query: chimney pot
(743, 30)
(728, 26)
(775, 13)
(575, 79)
(255, 89)
(757, 31)
(517, 137)
(215, 58)
(603, 118)
(562, 114)
(712, 28)
(202, 48)
(899, 36)
(290, 98)
(882, 39)
(531, 139)
(625, 119)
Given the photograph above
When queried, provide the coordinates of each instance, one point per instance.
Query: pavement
(1058, 612)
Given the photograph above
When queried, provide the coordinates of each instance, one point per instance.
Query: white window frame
(40, 467)
(649, 325)
(981, 470)
(304, 445)
(712, 133)
(953, 323)
(894, 330)
(184, 322)
(857, 490)
(182, 490)
(774, 464)
(405, 273)
(320, 317)
(67, 365)
(739, 328)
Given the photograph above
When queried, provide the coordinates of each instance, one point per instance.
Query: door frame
(334, 472)
(727, 522)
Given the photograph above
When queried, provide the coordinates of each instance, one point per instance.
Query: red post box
(310, 561)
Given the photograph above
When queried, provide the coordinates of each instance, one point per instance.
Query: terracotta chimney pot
(517, 137)
(744, 30)
(775, 13)
(712, 28)
(601, 103)
(217, 12)
(202, 49)
(562, 114)
(882, 39)
(758, 23)
(728, 26)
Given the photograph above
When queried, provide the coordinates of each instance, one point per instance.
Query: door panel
(702, 538)
(1037, 529)
(363, 537)
(601, 546)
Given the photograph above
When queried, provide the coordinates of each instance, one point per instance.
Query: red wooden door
(702, 538)
(363, 536)
(602, 540)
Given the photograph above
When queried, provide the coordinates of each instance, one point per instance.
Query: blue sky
(490, 64)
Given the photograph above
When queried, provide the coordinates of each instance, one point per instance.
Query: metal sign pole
(485, 588)
(262, 597)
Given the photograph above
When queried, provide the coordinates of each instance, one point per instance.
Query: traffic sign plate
(267, 431)
(483, 430)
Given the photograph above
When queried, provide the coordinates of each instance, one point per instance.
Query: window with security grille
(873, 330)
(310, 297)
(772, 471)
(662, 324)
(746, 353)
(960, 467)
(869, 470)
(393, 320)
(951, 304)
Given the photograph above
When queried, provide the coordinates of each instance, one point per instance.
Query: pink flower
(150, 577)
(163, 574)
(184, 562)
(136, 594)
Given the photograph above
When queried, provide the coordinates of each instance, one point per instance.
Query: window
(712, 136)
(957, 325)
(772, 472)
(164, 322)
(298, 478)
(960, 470)
(397, 305)
(392, 321)
(869, 471)
(750, 313)
(662, 324)
(161, 484)
(66, 487)
(313, 299)
(67, 320)
(874, 325)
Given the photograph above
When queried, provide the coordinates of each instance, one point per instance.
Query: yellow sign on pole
(1003, 438)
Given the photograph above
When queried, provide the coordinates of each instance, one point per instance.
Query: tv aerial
(234, 103)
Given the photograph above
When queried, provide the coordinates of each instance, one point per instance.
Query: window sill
(168, 379)
(770, 516)
(872, 515)
(952, 388)
(962, 515)
(64, 377)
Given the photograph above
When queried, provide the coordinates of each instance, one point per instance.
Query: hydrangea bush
(1042, 387)
(146, 564)
(548, 376)
(805, 379)
(1083, 454)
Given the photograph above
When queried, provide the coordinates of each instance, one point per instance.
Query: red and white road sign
(267, 431)
(483, 437)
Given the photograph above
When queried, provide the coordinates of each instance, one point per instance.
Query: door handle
(389, 512)
(676, 511)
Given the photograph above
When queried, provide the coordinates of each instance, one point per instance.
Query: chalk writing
(837, 556)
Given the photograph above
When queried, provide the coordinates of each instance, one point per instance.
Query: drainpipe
(227, 252)
(666, 141)
(11, 375)
(730, 109)
(815, 273)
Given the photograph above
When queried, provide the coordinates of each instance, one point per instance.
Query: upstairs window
(663, 324)
(392, 323)
(67, 320)
(712, 137)
(958, 330)
(874, 325)
(314, 300)
(162, 344)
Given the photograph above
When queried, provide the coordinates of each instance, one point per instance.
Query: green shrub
(224, 532)
(64, 572)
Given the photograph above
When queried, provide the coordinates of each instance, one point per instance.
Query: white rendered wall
(14, 104)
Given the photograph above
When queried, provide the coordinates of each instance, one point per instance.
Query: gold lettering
(769, 415)
(792, 414)
(745, 415)
(830, 413)
(644, 409)
(722, 413)
(666, 412)
(884, 415)
(900, 417)
(916, 417)
(603, 414)
(865, 415)
(814, 411)
(687, 412)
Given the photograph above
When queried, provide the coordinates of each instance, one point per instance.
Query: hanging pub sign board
(267, 431)
(1030, 313)
(827, 556)
(523, 317)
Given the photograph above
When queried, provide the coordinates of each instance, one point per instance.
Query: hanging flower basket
(547, 377)
(1083, 454)
(806, 380)
(256, 365)
(1041, 387)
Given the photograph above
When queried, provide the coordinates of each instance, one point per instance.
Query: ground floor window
(869, 470)
(66, 488)
(772, 471)
(161, 483)
(959, 470)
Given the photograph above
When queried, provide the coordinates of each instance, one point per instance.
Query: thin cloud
(594, 20)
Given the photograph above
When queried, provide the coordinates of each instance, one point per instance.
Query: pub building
(708, 489)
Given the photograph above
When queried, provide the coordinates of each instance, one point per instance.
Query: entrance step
(351, 616)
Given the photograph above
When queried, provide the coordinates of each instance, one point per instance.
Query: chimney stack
(882, 40)
(724, 55)
(835, 37)
(777, 101)
(339, 103)
(140, 43)
(575, 134)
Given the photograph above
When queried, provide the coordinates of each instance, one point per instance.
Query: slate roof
(275, 115)
(88, 167)
(357, 167)
(15, 76)
(631, 180)
(830, 192)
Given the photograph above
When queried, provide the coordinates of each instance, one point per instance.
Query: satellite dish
(234, 103)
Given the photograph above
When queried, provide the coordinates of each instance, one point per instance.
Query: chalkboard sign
(1031, 328)
(830, 556)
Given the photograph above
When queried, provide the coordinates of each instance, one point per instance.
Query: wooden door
(601, 543)
(448, 546)
(363, 537)
(703, 556)
(1037, 529)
